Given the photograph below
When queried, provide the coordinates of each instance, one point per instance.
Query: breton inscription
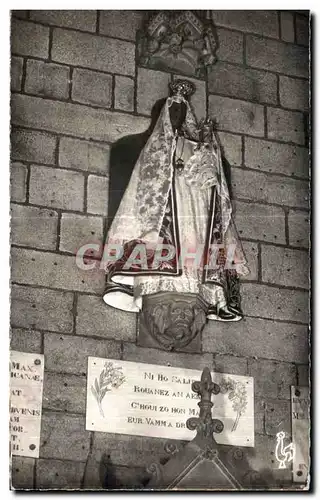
(300, 404)
(26, 383)
(125, 397)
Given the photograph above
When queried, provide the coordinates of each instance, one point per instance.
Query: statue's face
(177, 111)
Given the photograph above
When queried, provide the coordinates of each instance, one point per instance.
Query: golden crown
(182, 87)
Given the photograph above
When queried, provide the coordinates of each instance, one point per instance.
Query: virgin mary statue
(173, 231)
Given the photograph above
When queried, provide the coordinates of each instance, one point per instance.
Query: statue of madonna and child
(172, 250)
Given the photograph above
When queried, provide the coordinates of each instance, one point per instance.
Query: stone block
(95, 318)
(84, 155)
(262, 22)
(198, 99)
(18, 182)
(287, 126)
(39, 308)
(259, 415)
(49, 269)
(224, 363)
(230, 46)
(57, 188)
(69, 353)
(294, 93)
(278, 417)
(94, 52)
(277, 56)
(275, 303)
(260, 222)
(56, 427)
(29, 39)
(16, 73)
(261, 458)
(29, 145)
(98, 192)
(66, 118)
(59, 474)
(251, 252)
(243, 83)
(47, 80)
(276, 158)
(131, 352)
(231, 147)
(63, 392)
(283, 266)
(22, 473)
(287, 26)
(20, 14)
(299, 228)
(84, 20)
(302, 29)
(120, 23)
(272, 379)
(78, 230)
(259, 338)
(237, 116)
(91, 87)
(124, 93)
(151, 86)
(303, 375)
(105, 475)
(264, 188)
(34, 227)
(25, 340)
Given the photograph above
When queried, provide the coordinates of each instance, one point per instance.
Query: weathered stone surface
(230, 46)
(231, 147)
(294, 93)
(55, 427)
(243, 83)
(22, 473)
(41, 308)
(258, 338)
(124, 93)
(66, 118)
(77, 19)
(277, 56)
(198, 99)
(18, 182)
(260, 222)
(29, 39)
(287, 26)
(287, 126)
(91, 51)
(272, 379)
(46, 79)
(278, 417)
(97, 202)
(78, 230)
(275, 303)
(120, 23)
(69, 353)
(299, 228)
(105, 475)
(237, 116)
(25, 340)
(152, 85)
(303, 375)
(251, 253)
(20, 14)
(302, 29)
(95, 318)
(63, 392)
(260, 187)
(259, 411)
(284, 266)
(34, 227)
(16, 73)
(276, 158)
(59, 474)
(131, 352)
(29, 145)
(262, 22)
(84, 155)
(34, 267)
(91, 87)
(225, 363)
(261, 458)
(54, 187)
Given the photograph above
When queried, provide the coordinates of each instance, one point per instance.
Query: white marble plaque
(125, 397)
(26, 383)
(300, 404)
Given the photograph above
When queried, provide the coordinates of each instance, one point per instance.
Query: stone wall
(76, 89)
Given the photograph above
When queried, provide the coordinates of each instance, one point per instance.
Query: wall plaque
(125, 397)
(26, 383)
(300, 404)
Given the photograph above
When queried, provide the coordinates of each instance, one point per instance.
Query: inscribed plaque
(26, 383)
(125, 397)
(300, 404)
